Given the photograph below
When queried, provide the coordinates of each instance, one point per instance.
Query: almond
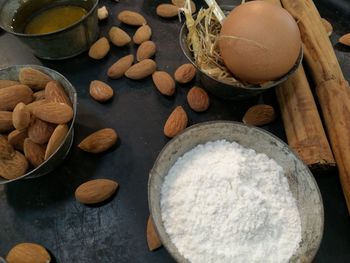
(28, 253)
(141, 70)
(56, 139)
(95, 191)
(39, 95)
(100, 91)
(327, 26)
(185, 73)
(34, 152)
(54, 112)
(6, 121)
(259, 115)
(11, 96)
(119, 68)
(21, 116)
(198, 99)
(153, 240)
(16, 138)
(118, 36)
(146, 50)
(181, 4)
(54, 92)
(176, 122)
(99, 141)
(99, 49)
(164, 82)
(131, 18)
(35, 104)
(167, 10)
(6, 149)
(142, 34)
(14, 167)
(345, 39)
(33, 78)
(40, 131)
(4, 83)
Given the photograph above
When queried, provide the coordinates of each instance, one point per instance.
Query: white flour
(221, 202)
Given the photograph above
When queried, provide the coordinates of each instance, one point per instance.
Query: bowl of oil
(53, 29)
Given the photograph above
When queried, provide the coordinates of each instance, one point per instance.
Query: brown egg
(259, 42)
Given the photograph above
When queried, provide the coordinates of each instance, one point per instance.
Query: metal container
(61, 44)
(58, 156)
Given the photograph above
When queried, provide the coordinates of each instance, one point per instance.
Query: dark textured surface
(44, 210)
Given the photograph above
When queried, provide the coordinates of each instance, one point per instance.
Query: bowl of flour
(226, 192)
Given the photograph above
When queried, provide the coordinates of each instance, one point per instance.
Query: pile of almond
(34, 116)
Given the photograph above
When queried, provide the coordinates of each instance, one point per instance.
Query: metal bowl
(302, 183)
(58, 156)
(62, 44)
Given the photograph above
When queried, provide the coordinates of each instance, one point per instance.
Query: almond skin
(181, 4)
(39, 95)
(146, 50)
(142, 34)
(167, 10)
(56, 139)
(53, 112)
(164, 82)
(99, 141)
(119, 68)
(28, 253)
(35, 104)
(54, 92)
(185, 73)
(176, 122)
(141, 70)
(40, 131)
(99, 49)
(153, 240)
(6, 124)
(100, 91)
(131, 18)
(11, 96)
(95, 191)
(33, 78)
(345, 39)
(16, 138)
(4, 83)
(6, 149)
(34, 152)
(14, 167)
(118, 36)
(259, 115)
(21, 116)
(198, 99)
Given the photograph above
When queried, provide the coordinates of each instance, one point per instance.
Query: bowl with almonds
(37, 113)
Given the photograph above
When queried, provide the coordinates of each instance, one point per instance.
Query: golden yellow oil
(54, 19)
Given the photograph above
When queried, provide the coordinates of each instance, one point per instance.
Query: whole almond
(119, 68)
(53, 112)
(21, 116)
(40, 131)
(56, 139)
(34, 152)
(35, 104)
(99, 141)
(4, 83)
(100, 91)
(6, 149)
(185, 73)
(146, 50)
(54, 92)
(142, 34)
(345, 39)
(33, 78)
(99, 49)
(259, 115)
(141, 70)
(153, 240)
(14, 167)
(118, 36)
(164, 82)
(11, 96)
(176, 122)
(6, 124)
(95, 191)
(39, 95)
(198, 99)
(28, 253)
(181, 4)
(16, 138)
(327, 26)
(131, 18)
(167, 10)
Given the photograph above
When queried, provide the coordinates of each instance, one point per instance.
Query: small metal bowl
(62, 44)
(301, 182)
(58, 156)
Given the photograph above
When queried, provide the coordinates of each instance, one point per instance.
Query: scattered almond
(164, 82)
(56, 139)
(327, 26)
(4, 83)
(16, 138)
(28, 253)
(147, 49)
(40, 131)
(39, 95)
(33, 152)
(181, 4)
(6, 124)
(345, 39)
(259, 115)
(33, 78)
(11, 96)
(20, 116)
(142, 34)
(141, 70)
(99, 141)
(95, 191)
(131, 18)
(185, 73)
(35, 104)
(53, 112)
(176, 122)
(14, 167)
(167, 10)
(153, 240)
(198, 99)
(118, 36)
(6, 149)
(102, 13)
(54, 92)
(99, 49)
(119, 68)
(100, 91)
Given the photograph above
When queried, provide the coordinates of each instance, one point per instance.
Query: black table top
(45, 211)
